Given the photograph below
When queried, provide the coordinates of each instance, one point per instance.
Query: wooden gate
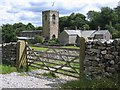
(55, 59)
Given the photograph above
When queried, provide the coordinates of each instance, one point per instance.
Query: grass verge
(45, 48)
(73, 47)
(6, 69)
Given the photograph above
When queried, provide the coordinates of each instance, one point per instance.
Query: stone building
(69, 36)
(72, 36)
(50, 21)
(31, 33)
(102, 34)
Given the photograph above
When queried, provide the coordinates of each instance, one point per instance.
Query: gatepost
(21, 57)
(82, 57)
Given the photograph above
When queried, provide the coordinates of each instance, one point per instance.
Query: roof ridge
(93, 33)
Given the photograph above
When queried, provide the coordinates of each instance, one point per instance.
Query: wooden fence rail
(59, 60)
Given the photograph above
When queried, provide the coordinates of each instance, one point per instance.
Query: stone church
(50, 22)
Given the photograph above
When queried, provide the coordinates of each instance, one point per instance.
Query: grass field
(45, 48)
(38, 48)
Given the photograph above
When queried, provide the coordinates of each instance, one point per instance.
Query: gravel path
(30, 80)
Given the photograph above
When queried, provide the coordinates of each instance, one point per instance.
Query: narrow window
(53, 16)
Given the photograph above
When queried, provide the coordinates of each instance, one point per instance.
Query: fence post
(81, 57)
(21, 57)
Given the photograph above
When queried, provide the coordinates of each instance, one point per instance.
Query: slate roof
(87, 33)
(32, 31)
(25, 38)
(73, 32)
(99, 32)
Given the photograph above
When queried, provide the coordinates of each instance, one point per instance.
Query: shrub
(91, 84)
(53, 41)
(38, 39)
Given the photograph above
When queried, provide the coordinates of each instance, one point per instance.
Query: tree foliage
(106, 18)
(10, 32)
(74, 21)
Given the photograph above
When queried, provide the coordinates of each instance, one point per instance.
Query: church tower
(50, 21)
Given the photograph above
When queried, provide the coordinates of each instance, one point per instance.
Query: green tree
(29, 26)
(18, 28)
(8, 33)
(110, 27)
(63, 23)
(86, 26)
(107, 15)
(116, 34)
(117, 25)
(72, 21)
(117, 11)
(18, 25)
(94, 18)
(39, 28)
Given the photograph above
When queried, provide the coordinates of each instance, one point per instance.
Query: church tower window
(53, 16)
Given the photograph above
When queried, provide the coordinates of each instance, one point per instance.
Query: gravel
(31, 80)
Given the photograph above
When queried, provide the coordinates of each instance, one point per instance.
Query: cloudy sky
(25, 11)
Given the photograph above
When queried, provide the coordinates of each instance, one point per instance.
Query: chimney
(98, 28)
(75, 27)
(65, 28)
(84, 28)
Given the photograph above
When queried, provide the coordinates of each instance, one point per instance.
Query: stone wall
(9, 53)
(102, 59)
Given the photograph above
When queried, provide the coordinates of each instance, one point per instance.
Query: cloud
(13, 11)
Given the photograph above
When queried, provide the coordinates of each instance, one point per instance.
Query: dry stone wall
(102, 59)
(9, 53)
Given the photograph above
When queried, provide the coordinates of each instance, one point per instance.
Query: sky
(30, 11)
